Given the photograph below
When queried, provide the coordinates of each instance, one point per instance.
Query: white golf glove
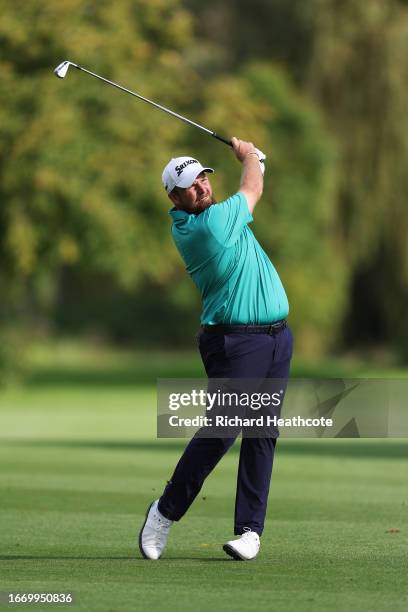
(261, 157)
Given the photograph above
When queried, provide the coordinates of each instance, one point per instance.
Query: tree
(358, 73)
(79, 162)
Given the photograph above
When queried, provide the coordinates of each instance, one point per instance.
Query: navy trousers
(255, 356)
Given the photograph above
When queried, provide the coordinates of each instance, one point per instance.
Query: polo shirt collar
(177, 214)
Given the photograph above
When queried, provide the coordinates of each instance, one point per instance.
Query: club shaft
(159, 106)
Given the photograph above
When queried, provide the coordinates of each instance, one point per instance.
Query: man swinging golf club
(244, 334)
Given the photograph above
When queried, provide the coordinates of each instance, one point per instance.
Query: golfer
(244, 334)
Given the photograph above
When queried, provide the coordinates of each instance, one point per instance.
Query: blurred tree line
(84, 232)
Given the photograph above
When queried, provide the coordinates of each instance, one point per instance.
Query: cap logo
(179, 169)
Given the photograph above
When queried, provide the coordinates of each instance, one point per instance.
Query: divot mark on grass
(393, 531)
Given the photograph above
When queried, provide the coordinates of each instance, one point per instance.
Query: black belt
(271, 328)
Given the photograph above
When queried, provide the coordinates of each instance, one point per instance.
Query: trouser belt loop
(276, 327)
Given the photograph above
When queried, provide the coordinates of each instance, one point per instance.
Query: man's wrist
(247, 156)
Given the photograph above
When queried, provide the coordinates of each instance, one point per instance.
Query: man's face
(193, 199)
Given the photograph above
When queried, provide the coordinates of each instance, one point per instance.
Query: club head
(62, 69)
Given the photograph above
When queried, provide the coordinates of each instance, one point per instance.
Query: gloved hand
(261, 157)
(242, 148)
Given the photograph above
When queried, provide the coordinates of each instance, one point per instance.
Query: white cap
(182, 172)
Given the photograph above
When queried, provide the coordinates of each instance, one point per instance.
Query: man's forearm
(252, 178)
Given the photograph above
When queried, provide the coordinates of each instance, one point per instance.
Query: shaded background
(321, 87)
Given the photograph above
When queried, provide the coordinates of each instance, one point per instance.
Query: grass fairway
(79, 464)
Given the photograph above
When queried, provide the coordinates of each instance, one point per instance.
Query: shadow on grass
(62, 558)
(392, 449)
(107, 558)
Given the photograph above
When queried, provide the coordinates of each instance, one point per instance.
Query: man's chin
(204, 204)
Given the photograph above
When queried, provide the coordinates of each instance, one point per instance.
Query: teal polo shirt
(236, 279)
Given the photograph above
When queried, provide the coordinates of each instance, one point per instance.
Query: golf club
(62, 69)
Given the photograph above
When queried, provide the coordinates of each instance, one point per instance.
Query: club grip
(227, 142)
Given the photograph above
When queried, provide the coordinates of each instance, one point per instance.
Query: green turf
(79, 464)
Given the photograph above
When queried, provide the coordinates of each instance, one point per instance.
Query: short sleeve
(226, 220)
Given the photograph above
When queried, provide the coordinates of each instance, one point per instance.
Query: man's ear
(174, 197)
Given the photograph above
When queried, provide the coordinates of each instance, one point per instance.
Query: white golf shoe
(245, 548)
(154, 533)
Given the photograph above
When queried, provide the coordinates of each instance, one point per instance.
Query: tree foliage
(359, 73)
(77, 158)
(319, 86)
